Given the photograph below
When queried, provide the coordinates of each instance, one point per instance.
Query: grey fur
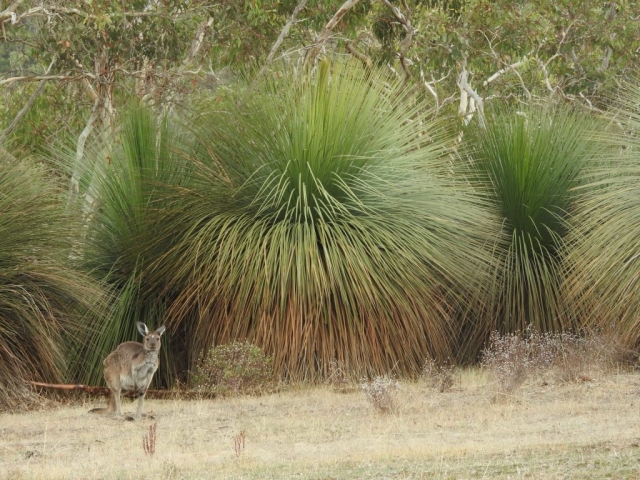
(130, 367)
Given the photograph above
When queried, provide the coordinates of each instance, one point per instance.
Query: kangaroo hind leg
(140, 404)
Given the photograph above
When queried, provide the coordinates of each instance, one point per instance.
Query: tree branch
(501, 72)
(366, 61)
(37, 78)
(196, 45)
(430, 89)
(74, 186)
(609, 16)
(468, 107)
(23, 111)
(9, 12)
(405, 44)
(26, 107)
(283, 34)
(47, 11)
(104, 391)
(328, 28)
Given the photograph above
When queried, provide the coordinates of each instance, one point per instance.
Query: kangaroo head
(151, 340)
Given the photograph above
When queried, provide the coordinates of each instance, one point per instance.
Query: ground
(546, 430)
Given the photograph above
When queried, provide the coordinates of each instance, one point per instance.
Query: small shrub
(239, 443)
(513, 358)
(577, 355)
(382, 392)
(232, 369)
(440, 375)
(149, 440)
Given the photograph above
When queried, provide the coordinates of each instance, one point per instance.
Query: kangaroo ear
(142, 328)
(160, 330)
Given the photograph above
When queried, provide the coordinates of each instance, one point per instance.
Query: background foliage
(100, 53)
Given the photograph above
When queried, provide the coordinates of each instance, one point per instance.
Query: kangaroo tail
(99, 410)
(108, 409)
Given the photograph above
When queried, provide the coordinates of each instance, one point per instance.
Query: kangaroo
(130, 367)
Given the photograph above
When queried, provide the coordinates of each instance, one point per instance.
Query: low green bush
(234, 369)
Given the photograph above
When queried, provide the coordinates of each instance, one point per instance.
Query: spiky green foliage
(42, 298)
(321, 223)
(533, 160)
(120, 177)
(606, 235)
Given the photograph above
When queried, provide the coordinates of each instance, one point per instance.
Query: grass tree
(120, 177)
(320, 222)
(532, 161)
(42, 297)
(606, 237)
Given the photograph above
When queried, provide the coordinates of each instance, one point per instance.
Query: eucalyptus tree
(91, 58)
(458, 53)
(463, 53)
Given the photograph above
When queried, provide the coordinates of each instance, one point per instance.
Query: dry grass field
(589, 429)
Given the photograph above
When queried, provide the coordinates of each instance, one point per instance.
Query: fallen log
(105, 392)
